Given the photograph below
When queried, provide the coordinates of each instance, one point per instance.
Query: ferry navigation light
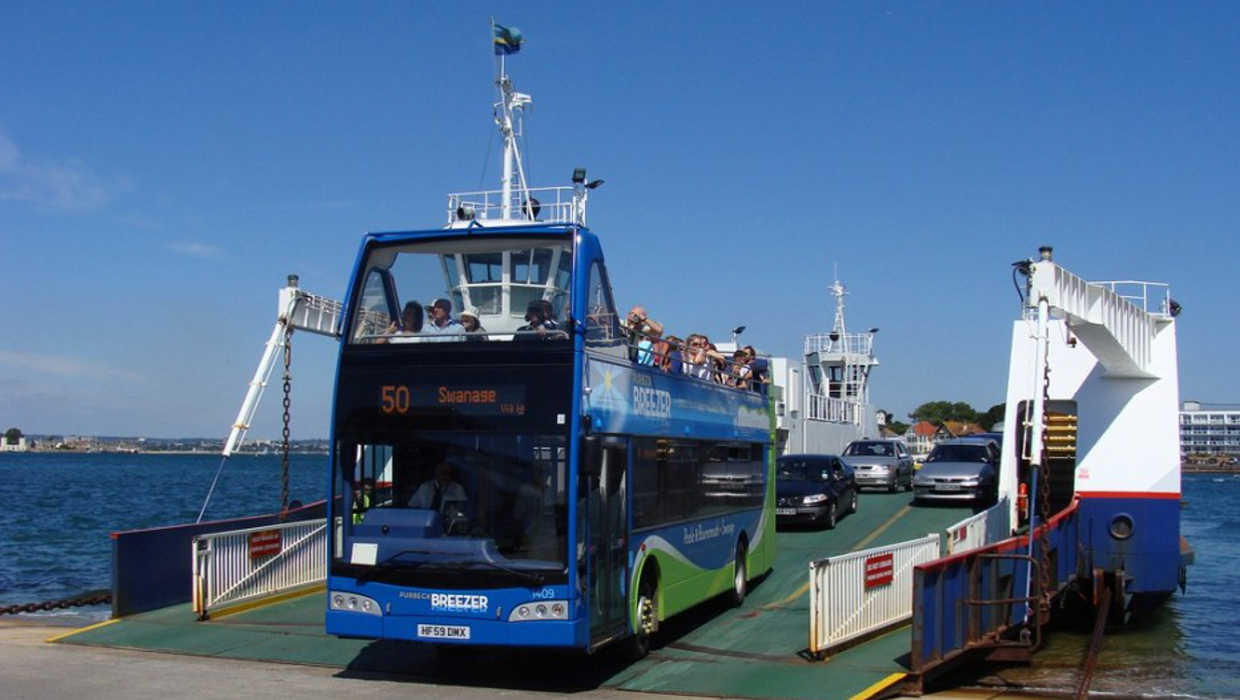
(737, 331)
(292, 280)
(579, 176)
(873, 331)
(593, 184)
(1045, 253)
(1174, 308)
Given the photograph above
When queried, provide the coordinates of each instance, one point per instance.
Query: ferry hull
(1150, 557)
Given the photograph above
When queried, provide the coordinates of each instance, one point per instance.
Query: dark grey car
(962, 470)
(884, 464)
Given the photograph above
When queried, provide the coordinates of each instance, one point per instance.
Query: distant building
(20, 446)
(1209, 429)
(920, 437)
(960, 428)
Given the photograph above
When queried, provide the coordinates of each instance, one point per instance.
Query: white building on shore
(1209, 429)
(20, 446)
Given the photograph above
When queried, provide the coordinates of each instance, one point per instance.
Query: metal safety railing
(855, 594)
(534, 204)
(990, 525)
(242, 565)
(848, 343)
(833, 410)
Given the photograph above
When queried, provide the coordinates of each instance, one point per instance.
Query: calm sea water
(60, 509)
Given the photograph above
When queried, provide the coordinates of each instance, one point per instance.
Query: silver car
(884, 464)
(959, 470)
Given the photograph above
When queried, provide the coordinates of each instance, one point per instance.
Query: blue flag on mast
(507, 40)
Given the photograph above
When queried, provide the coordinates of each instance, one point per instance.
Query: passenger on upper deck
(442, 322)
(698, 361)
(549, 314)
(672, 361)
(410, 323)
(650, 347)
(636, 326)
(474, 331)
(537, 325)
(760, 366)
(739, 373)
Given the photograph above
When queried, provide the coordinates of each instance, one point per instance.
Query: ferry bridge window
(495, 278)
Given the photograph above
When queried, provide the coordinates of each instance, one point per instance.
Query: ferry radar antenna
(838, 290)
(509, 111)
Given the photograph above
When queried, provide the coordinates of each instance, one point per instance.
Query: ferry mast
(509, 112)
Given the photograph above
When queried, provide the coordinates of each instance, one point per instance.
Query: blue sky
(164, 165)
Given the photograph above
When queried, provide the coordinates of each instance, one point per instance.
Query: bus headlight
(352, 602)
(541, 610)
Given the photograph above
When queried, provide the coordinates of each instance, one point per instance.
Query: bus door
(606, 536)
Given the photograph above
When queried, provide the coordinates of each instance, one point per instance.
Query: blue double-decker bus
(521, 479)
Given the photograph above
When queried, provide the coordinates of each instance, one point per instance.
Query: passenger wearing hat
(442, 323)
(473, 329)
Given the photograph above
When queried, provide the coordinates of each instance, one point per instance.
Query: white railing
(849, 343)
(990, 525)
(1150, 297)
(550, 205)
(834, 410)
(240, 565)
(855, 594)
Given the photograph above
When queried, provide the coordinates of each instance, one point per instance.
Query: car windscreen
(802, 470)
(958, 453)
(869, 449)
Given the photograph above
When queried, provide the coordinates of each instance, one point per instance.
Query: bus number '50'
(394, 398)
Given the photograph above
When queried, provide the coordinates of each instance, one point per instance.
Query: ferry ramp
(757, 650)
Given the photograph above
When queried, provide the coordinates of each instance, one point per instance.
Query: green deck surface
(757, 650)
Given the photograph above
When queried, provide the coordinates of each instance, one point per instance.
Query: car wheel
(829, 519)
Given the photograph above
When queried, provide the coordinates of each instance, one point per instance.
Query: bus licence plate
(785, 511)
(443, 631)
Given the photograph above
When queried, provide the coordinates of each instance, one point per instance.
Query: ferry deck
(758, 650)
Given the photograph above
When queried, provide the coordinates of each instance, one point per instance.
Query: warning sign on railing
(879, 570)
(264, 543)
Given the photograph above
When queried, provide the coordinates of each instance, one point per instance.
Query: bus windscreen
(464, 289)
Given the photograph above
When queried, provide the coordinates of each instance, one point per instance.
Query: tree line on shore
(940, 411)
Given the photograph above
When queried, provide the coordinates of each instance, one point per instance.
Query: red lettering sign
(879, 570)
(264, 544)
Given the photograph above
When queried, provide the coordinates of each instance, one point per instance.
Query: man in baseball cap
(442, 323)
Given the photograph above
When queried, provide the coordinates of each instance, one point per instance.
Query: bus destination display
(483, 400)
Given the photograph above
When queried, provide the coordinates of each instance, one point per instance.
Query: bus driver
(440, 491)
